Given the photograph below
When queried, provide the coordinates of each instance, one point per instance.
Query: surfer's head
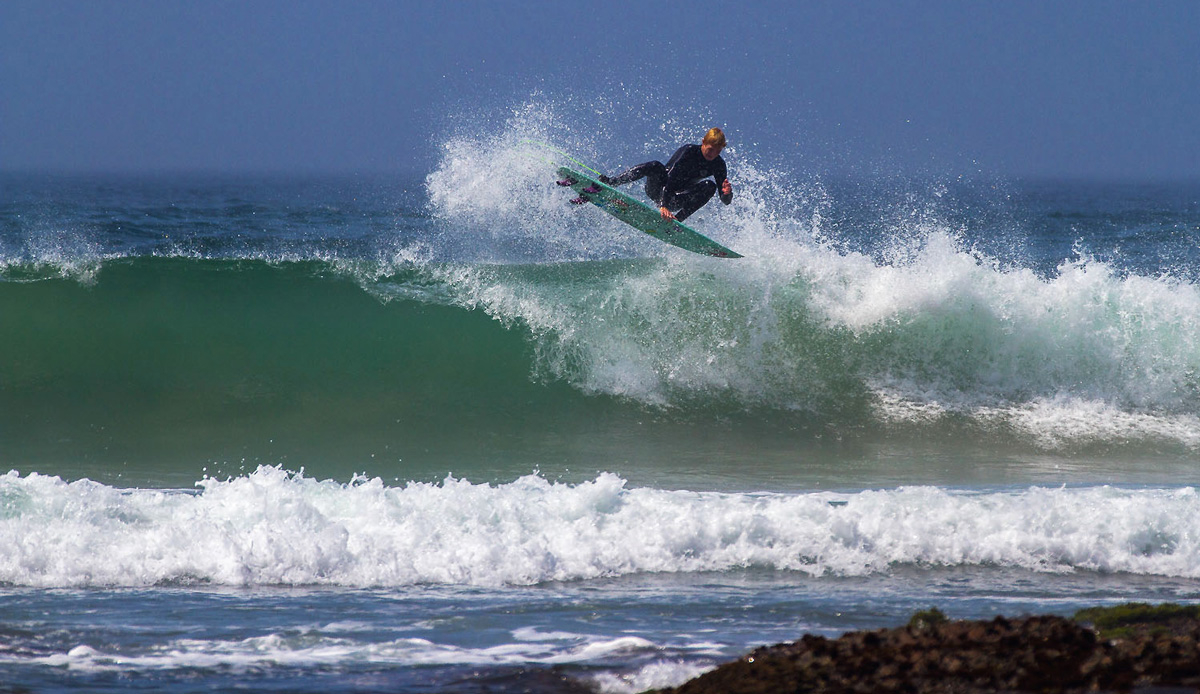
(712, 144)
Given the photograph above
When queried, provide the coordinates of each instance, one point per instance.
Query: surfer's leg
(656, 179)
(651, 168)
(692, 198)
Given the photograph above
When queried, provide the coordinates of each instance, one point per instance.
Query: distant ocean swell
(1087, 356)
(273, 527)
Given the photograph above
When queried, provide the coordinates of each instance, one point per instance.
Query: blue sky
(1070, 88)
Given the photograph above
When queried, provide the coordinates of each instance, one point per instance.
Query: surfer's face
(711, 152)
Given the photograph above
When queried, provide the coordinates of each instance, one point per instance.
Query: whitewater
(278, 528)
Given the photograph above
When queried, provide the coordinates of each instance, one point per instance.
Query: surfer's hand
(727, 188)
(666, 214)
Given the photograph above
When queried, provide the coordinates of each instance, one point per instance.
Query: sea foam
(275, 527)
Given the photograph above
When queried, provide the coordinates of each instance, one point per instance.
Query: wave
(849, 311)
(908, 314)
(1086, 357)
(275, 527)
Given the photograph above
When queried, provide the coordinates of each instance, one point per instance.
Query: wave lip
(274, 527)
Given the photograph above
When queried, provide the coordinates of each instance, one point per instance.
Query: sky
(1070, 88)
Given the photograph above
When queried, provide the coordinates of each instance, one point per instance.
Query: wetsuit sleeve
(722, 175)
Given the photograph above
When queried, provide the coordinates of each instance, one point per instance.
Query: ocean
(451, 433)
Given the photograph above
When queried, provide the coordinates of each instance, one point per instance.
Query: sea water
(451, 433)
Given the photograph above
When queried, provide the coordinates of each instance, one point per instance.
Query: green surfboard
(643, 217)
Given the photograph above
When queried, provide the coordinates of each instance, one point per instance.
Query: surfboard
(641, 216)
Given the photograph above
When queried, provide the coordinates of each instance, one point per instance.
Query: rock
(936, 656)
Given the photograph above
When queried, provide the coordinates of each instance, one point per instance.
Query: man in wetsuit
(682, 186)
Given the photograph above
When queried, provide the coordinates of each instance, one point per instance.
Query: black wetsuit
(681, 186)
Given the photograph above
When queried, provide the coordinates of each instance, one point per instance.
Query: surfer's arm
(726, 188)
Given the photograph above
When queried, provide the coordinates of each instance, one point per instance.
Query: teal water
(350, 434)
(157, 371)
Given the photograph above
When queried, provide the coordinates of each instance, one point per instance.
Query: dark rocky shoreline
(1127, 648)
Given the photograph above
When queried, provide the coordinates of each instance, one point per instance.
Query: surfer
(682, 185)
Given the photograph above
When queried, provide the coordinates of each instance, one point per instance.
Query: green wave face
(166, 368)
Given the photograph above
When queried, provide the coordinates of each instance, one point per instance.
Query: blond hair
(714, 137)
